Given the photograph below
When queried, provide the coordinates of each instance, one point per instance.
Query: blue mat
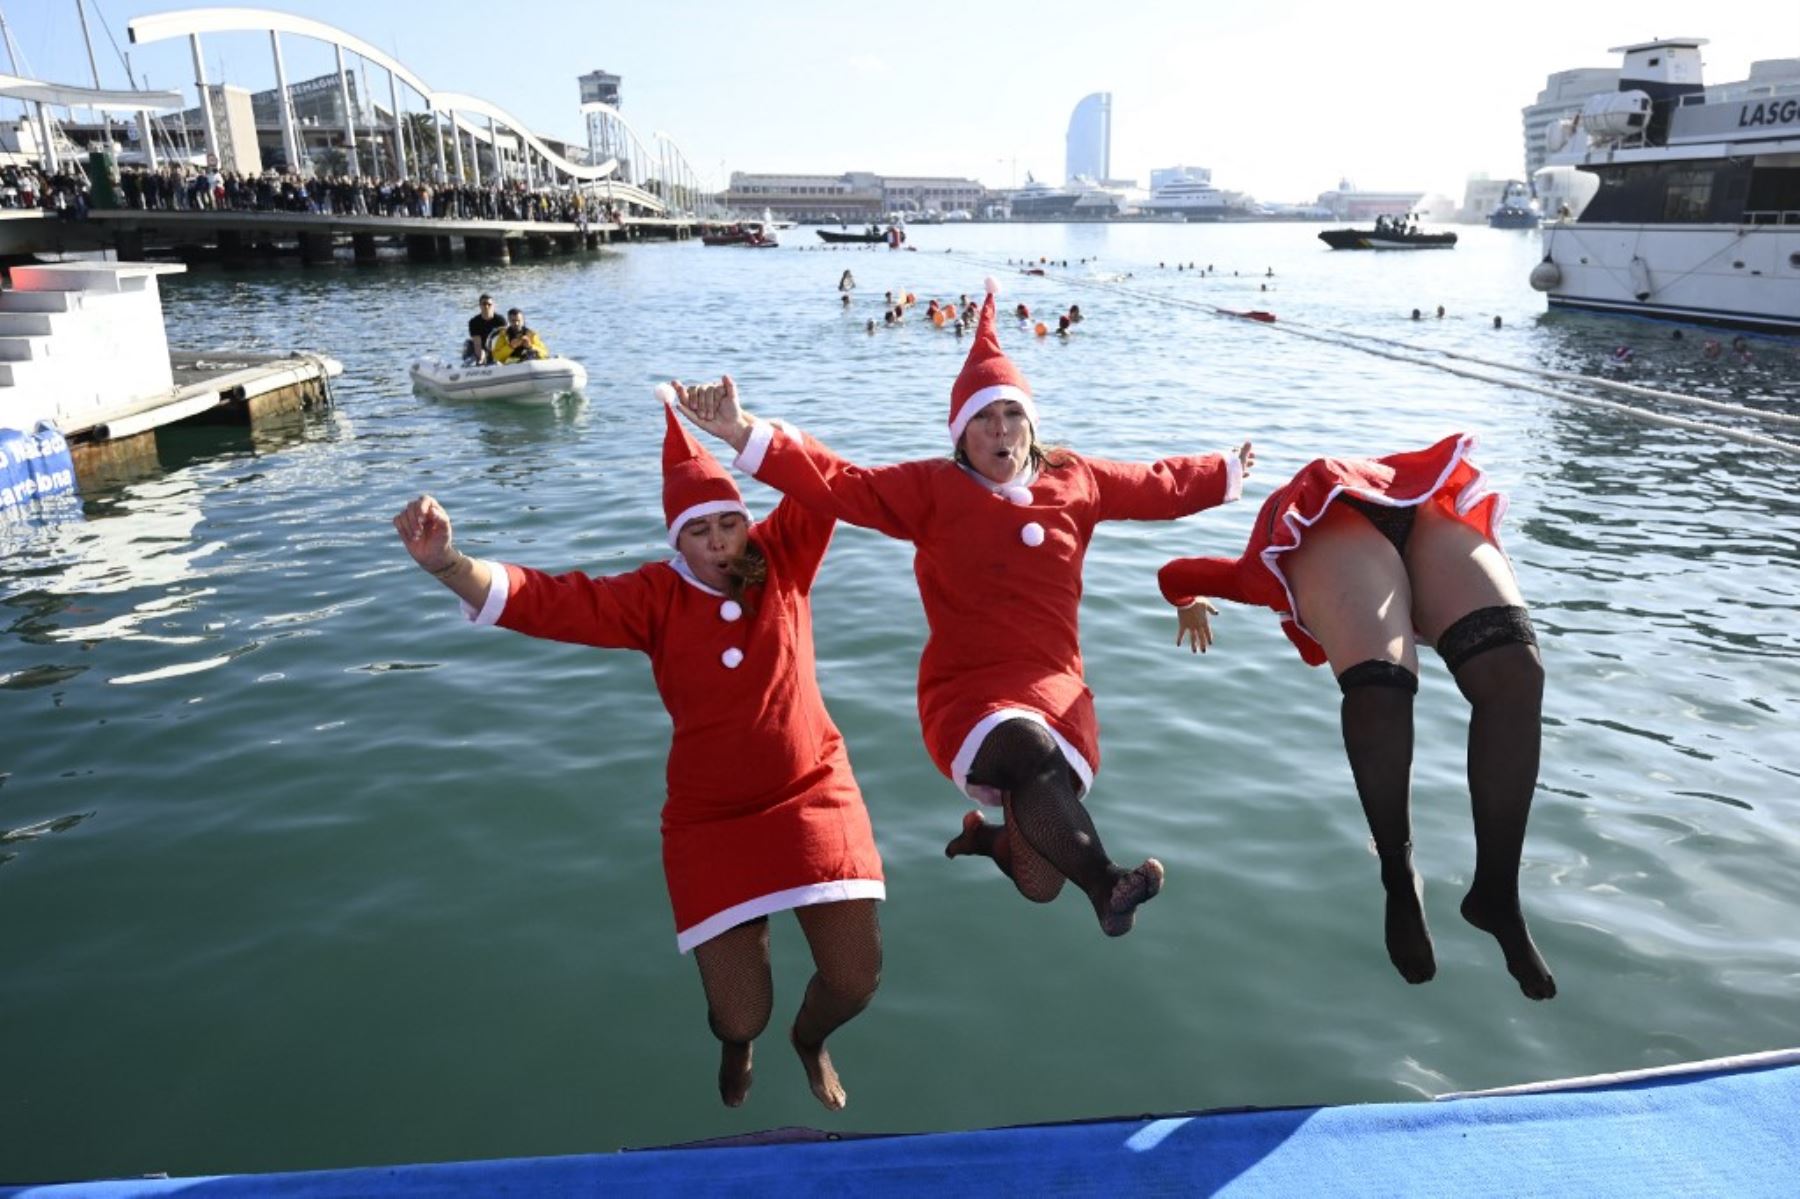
(1727, 1128)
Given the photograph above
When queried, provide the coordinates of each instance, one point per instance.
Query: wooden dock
(316, 237)
(227, 387)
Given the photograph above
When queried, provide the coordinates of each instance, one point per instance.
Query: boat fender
(1640, 279)
(1545, 275)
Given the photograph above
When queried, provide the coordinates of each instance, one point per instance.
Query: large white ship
(1697, 212)
(1191, 194)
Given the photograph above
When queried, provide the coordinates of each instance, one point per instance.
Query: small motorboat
(538, 379)
(752, 235)
(1386, 238)
(864, 237)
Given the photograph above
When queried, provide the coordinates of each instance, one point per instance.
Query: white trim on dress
(965, 757)
(762, 435)
(1234, 477)
(499, 586)
(680, 566)
(779, 901)
(1472, 494)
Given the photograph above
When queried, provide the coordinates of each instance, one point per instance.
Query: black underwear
(1393, 523)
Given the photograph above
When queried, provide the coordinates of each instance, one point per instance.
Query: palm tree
(421, 128)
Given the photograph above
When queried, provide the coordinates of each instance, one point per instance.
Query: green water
(331, 878)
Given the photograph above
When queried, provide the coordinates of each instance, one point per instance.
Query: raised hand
(424, 529)
(1191, 624)
(714, 407)
(1246, 457)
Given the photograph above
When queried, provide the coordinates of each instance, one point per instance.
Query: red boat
(752, 235)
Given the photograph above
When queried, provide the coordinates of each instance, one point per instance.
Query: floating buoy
(1040, 329)
(1545, 275)
(937, 317)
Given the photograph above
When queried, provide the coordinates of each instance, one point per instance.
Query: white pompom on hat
(987, 374)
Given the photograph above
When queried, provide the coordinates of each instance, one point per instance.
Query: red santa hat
(694, 484)
(987, 374)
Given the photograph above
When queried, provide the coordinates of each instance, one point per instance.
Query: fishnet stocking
(845, 939)
(734, 970)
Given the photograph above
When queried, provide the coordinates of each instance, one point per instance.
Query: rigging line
(123, 61)
(1730, 434)
(1671, 397)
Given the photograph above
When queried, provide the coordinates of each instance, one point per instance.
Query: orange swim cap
(1041, 329)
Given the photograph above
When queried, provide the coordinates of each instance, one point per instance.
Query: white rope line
(1336, 338)
(1669, 397)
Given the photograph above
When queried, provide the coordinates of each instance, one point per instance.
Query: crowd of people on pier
(62, 192)
(177, 187)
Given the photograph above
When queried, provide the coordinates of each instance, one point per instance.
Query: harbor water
(299, 870)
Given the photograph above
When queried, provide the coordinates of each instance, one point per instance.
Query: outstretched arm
(424, 529)
(1170, 488)
(895, 500)
(610, 613)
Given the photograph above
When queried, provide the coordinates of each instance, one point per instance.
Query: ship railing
(1772, 216)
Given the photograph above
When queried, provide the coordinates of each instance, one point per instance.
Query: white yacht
(1194, 197)
(1697, 212)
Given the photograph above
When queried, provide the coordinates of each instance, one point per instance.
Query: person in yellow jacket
(518, 342)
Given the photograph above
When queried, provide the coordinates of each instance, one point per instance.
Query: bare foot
(1408, 940)
(821, 1075)
(969, 841)
(1131, 890)
(734, 1073)
(1506, 924)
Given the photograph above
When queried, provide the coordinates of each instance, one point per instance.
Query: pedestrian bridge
(471, 140)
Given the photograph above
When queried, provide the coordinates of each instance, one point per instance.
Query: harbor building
(1346, 203)
(931, 194)
(852, 196)
(1563, 95)
(1481, 196)
(1089, 139)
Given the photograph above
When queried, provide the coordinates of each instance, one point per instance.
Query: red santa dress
(1441, 475)
(763, 813)
(999, 567)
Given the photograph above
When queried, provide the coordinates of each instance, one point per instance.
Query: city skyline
(1263, 101)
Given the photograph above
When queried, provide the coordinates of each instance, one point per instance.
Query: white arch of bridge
(193, 22)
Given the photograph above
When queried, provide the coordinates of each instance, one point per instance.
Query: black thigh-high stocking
(1493, 655)
(734, 970)
(845, 939)
(1044, 810)
(1377, 717)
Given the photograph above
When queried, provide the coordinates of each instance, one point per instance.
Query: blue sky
(1279, 99)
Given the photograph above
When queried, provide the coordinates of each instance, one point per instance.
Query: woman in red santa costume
(762, 813)
(1000, 530)
(1363, 559)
